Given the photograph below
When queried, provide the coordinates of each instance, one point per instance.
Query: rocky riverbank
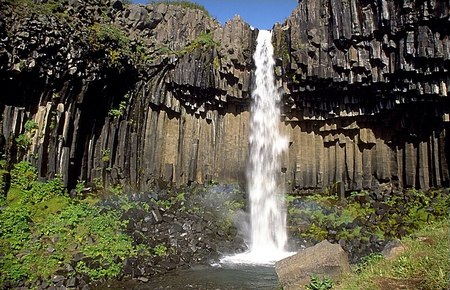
(136, 236)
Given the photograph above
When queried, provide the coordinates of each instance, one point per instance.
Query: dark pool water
(207, 277)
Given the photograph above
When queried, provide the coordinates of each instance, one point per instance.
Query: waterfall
(267, 211)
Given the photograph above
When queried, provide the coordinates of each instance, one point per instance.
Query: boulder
(393, 249)
(323, 259)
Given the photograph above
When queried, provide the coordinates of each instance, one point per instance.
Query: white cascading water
(267, 211)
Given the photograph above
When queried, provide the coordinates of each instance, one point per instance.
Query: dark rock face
(134, 94)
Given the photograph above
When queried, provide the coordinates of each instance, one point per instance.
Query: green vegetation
(173, 199)
(79, 187)
(31, 126)
(182, 3)
(41, 230)
(111, 43)
(160, 250)
(425, 264)
(106, 155)
(204, 40)
(230, 208)
(216, 62)
(368, 260)
(327, 218)
(23, 141)
(23, 176)
(111, 40)
(118, 112)
(46, 8)
(320, 284)
(418, 217)
(110, 34)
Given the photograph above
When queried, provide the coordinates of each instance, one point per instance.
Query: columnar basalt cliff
(127, 94)
(366, 93)
(136, 94)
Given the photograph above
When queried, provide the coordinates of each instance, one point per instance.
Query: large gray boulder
(324, 260)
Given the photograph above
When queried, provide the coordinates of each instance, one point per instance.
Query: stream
(207, 277)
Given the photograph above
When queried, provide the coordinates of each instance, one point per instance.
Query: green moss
(49, 207)
(106, 155)
(216, 63)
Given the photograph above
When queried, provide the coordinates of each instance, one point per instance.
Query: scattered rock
(393, 249)
(72, 282)
(143, 279)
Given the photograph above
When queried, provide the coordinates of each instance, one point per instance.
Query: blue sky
(262, 14)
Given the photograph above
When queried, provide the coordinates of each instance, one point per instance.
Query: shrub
(204, 41)
(106, 155)
(23, 141)
(38, 216)
(15, 236)
(42, 191)
(108, 34)
(28, 231)
(79, 187)
(30, 126)
(366, 220)
(23, 175)
(110, 40)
